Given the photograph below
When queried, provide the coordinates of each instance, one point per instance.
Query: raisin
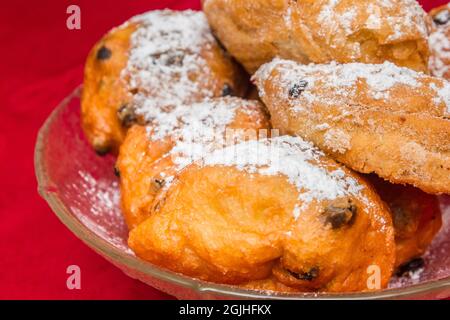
(297, 89)
(116, 172)
(410, 266)
(338, 216)
(227, 90)
(104, 53)
(175, 59)
(168, 58)
(158, 183)
(312, 274)
(442, 17)
(127, 116)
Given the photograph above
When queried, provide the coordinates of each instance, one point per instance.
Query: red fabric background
(41, 61)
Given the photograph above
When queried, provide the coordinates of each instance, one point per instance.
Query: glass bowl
(82, 190)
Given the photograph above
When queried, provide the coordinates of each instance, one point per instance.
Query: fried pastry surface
(320, 31)
(150, 156)
(374, 118)
(270, 214)
(440, 42)
(163, 58)
(416, 215)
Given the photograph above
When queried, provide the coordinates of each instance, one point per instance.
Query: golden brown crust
(416, 215)
(439, 42)
(104, 90)
(373, 118)
(256, 31)
(145, 164)
(108, 106)
(139, 168)
(222, 224)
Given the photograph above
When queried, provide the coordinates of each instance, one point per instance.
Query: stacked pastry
(210, 190)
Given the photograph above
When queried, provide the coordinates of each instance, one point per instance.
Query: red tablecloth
(41, 61)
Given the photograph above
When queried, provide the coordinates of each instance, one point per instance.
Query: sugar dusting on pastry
(331, 18)
(344, 79)
(404, 18)
(395, 20)
(411, 17)
(440, 47)
(439, 42)
(198, 128)
(337, 140)
(414, 150)
(294, 158)
(165, 54)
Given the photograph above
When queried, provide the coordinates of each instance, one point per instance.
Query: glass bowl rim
(201, 287)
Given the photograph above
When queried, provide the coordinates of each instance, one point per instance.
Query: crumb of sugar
(165, 51)
(337, 140)
(294, 158)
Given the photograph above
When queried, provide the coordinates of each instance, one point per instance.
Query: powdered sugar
(442, 95)
(337, 140)
(331, 18)
(439, 43)
(410, 18)
(198, 128)
(165, 56)
(413, 150)
(294, 158)
(399, 17)
(440, 47)
(373, 21)
(345, 80)
(96, 205)
(102, 193)
(408, 279)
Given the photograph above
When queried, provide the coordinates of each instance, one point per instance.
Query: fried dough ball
(270, 213)
(320, 31)
(379, 119)
(162, 57)
(440, 42)
(416, 215)
(150, 156)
